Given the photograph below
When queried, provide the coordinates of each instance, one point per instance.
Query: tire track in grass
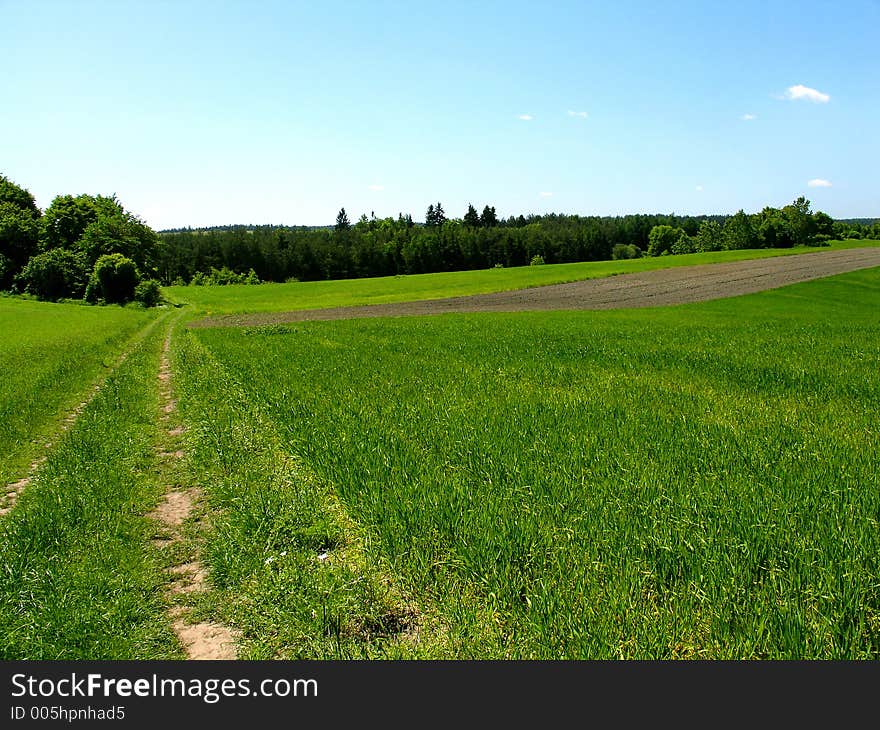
(187, 574)
(13, 490)
(290, 567)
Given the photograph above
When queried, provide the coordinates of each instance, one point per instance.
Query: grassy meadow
(698, 481)
(243, 299)
(79, 577)
(49, 353)
(693, 481)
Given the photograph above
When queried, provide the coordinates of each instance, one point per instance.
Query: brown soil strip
(202, 640)
(658, 288)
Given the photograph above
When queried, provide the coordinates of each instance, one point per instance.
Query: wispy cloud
(805, 93)
(582, 115)
(818, 182)
(699, 188)
(546, 194)
(749, 117)
(376, 188)
(525, 117)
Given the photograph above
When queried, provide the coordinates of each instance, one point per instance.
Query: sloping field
(644, 289)
(693, 481)
(49, 354)
(243, 299)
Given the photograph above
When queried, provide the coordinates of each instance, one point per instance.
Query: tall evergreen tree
(471, 218)
(439, 215)
(430, 216)
(342, 222)
(488, 219)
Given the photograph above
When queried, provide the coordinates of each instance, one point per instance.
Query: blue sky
(207, 113)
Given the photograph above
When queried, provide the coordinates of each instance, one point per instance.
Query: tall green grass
(288, 567)
(49, 353)
(78, 579)
(693, 481)
(320, 294)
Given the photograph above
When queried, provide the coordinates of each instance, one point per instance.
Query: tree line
(90, 247)
(82, 247)
(391, 246)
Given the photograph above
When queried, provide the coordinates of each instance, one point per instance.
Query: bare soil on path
(658, 288)
(200, 640)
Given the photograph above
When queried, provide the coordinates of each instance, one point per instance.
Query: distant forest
(390, 246)
(90, 248)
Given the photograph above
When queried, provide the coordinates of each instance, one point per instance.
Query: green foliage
(488, 219)
(316, 294)
(342, 222)
(435, 216)
(55, 274)
(622, 251)
(537, 260)
(710, 237)
(684, 244)
(113, 279)
(773, 229)
(739, 233)
(395, 246)
(18, 197)
(661, 239)
(119, 233)
(801, 223)
(68, 216)
(471, 218)
(148, 292)
(19, 229)
(19, 232)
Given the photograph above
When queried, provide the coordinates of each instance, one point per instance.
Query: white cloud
(525, 117)
(582, 115)
(376, 188)
(818, 182)
(546, 194)
(794, 93)
(699, 188)
(749, 117)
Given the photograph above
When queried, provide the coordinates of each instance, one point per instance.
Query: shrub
(55, 274)
(148, 292)
(625, 251)
(113, 279)
(537, 260)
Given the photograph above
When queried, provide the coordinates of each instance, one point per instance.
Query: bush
(148, 292)
(622, 251)
(537, 260)
(55, 274)
(113, 279)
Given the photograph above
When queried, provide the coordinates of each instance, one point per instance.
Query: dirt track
(626, 291)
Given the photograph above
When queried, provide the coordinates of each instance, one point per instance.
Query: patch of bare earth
(661, 287)
(200, 640)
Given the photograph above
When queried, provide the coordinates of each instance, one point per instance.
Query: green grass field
(320, 294)
(691, 481)
(79, 578)
(694, 481)
(49, 353)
